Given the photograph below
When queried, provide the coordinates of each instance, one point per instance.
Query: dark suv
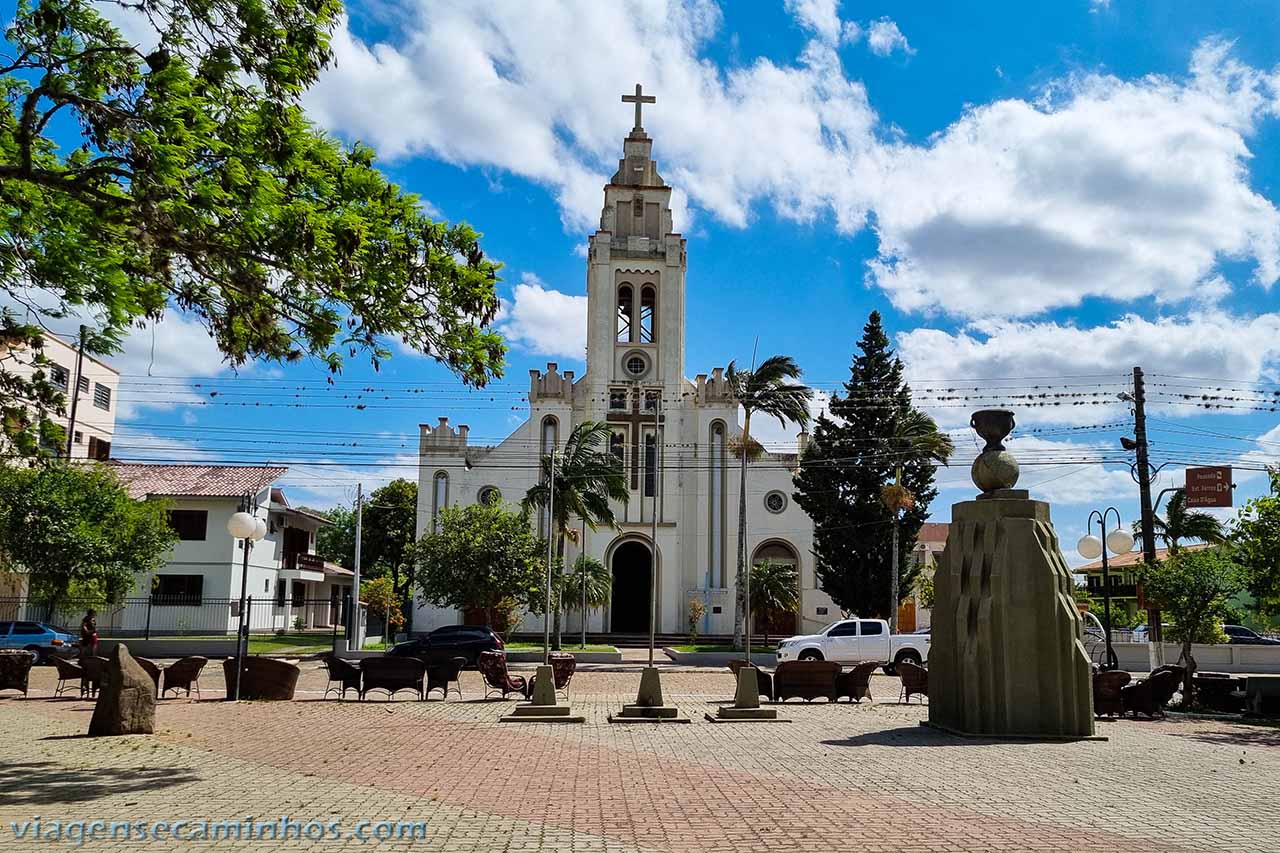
(1240, 635)
(450, 641)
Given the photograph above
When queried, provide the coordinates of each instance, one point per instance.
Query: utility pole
(75, 389)
(653, 558)
(1144, 492)
(355, 580)
(582, 555)
(551, 523)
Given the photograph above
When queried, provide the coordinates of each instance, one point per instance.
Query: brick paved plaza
(840, 777)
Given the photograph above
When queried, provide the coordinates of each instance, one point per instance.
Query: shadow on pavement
(41, 783)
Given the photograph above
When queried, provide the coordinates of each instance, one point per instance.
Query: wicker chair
(764, 678)
(344, 673)
(441, 675)
(805, 679)
(393, 674)
(183, 674)
(152, 669)
(94, 668)
(563, 666)
(915, 681)
(264, 678)
(1107, 701)
(15, 669)
(856, 683)
(68, 672)
(493, 666)
(1148, 696)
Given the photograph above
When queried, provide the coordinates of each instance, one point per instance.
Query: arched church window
(439, 497)
(626, 312)
(637, 205)
(550, 438)
(617, 445)
(650, 465)
(715, 522)
(648, 316)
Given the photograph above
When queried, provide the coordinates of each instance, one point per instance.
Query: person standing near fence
(89, 634)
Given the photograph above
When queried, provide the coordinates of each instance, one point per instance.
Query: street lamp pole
(248, 528)
(1118, 541)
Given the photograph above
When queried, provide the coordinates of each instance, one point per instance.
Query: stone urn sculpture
(995, 468)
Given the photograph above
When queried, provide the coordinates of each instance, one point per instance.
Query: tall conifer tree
(847, 463)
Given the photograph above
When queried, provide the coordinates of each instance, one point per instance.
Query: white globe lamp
(1089, 547)
(1120, 541)
(260, 530)
(241, 525)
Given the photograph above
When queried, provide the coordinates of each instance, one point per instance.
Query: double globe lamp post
(1118, 541)
(249, 528)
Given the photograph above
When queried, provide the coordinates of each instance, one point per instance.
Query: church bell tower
(635, 276)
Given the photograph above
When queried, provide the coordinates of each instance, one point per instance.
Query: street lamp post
(248, 528)
(1118, 541)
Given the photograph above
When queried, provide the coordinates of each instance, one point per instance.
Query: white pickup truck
(856, 640)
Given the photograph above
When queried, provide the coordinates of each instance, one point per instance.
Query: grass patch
(568, 647)
(718, 649)
(303, 643)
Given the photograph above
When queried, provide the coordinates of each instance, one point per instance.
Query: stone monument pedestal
(542, 707)
(649, 706)
(746, 703)
(1006, 658)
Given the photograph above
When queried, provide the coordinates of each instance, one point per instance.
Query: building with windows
(94, 388)
(1122, 576)
(913, 615)
(675, 436)
(286, 579)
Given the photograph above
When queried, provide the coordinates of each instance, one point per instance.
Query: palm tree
(776, 587)
(915, 438)
(772, 389)
(586, 478)
(1180, 523)
(590, 578)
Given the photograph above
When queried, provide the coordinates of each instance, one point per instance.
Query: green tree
(924, 591)
(842, 476)
(481, 557)
(137, 180)
(587, 478)
(388, 533)
(772, 389)
(914, 437)
(384, 602)
(75, 525)
(336, 541)
(1194, 588)
(598, 582)
(1256, 537)
(775, 589)
(1180, 523)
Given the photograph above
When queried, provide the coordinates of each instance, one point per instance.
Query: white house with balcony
(198, 588)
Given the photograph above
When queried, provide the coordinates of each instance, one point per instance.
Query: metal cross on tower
(639, 99)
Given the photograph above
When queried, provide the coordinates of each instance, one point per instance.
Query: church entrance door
(629, 600)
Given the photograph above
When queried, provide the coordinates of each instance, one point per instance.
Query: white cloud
(1099, 188)
(1106, 188)
(884, 37)
(545, 322)
(492, 86)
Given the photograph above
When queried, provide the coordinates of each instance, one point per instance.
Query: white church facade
(676, 438)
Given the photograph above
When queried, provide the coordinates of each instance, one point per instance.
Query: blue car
(45, 640)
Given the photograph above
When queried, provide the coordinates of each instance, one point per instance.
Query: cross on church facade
(640, 416)
(639, 99)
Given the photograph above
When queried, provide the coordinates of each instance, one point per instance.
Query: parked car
(855, 641)
(1240, 635)
(450, 641)
(39, 637)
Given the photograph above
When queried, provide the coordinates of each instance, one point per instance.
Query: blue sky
(1049, 190)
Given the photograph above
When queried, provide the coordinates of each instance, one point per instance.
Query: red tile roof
(195, 481)
(933, 531)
